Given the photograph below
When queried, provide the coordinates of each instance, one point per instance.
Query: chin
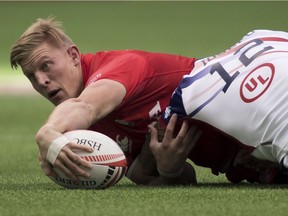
(56, 101)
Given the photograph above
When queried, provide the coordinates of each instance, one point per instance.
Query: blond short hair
(43, 30)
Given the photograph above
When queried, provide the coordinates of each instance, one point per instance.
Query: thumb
(153, 135)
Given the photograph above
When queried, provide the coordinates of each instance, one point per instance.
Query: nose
(42, 78)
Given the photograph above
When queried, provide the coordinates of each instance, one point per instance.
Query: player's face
(55, 73)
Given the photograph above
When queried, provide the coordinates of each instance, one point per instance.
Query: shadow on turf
(241, 185)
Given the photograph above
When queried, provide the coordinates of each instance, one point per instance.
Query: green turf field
(188, 28)
(26, 191)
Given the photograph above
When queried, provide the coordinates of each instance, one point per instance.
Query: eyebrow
(34, 60)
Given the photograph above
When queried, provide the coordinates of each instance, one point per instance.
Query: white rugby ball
(108, 161)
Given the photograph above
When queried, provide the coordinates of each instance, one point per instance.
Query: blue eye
(45, 66)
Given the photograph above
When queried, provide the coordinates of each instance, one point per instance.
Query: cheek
(39, 90)
(35, 85)
(74, 82)
(60, 73)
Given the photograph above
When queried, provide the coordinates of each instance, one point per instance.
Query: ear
(74, 53)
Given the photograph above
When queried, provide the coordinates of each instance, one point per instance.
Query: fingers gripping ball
(108, 161)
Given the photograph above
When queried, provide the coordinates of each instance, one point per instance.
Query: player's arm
(166, 163)
(138, 174)
(95, 102)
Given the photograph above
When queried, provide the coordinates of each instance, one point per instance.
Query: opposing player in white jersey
(243, 93)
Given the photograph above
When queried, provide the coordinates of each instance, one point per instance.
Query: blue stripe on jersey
(187, 81)
(176, 102)
(205, 103)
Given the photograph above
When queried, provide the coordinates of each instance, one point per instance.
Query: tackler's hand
(171, 153)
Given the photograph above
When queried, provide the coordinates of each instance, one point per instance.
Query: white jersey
(242, 92)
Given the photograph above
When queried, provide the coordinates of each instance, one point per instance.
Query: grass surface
(26, 191)
(187, 28)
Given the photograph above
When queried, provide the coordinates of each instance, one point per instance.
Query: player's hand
(67, 161)
(70, 163)
(171, 153)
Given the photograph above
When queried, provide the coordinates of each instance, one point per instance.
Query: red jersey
(149, 79)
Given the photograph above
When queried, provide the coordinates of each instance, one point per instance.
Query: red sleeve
(127, 69)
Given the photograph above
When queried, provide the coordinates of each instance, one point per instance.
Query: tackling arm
(165, 163)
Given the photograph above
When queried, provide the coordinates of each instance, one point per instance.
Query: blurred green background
(192, 28)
